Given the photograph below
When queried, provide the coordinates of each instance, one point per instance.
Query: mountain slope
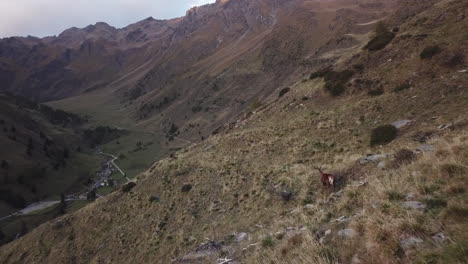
(251, 189)
(199, 70)
(39, 153)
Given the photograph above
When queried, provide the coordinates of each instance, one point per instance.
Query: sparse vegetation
(268, 241)
(101, 135)
(381, 38)
(404, 156)
(383, 135)
(283, 92)
(430, 51)
(454, 59)
(128, 187)
(186, 187)
(335, 81)
(402, 87)
(375, 92)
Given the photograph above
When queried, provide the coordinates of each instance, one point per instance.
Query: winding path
(115, 165)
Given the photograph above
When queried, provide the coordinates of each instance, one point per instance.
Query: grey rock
(410, 242)
(382, 165)
(328, 232)
(402, 123)
(439, 237)
(373, 158)
(241, 236)
(356, 260)
(414, 205)
(410, 197)
(425, 148)
(347, 233)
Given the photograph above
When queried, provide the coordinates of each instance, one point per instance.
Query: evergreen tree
(63, 204)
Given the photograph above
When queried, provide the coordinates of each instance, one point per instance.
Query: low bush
(375, 92)
(394, 196)
(402, 87)
(434, 203)
(335, 81)
(430, 51)
(454, 59)
(380, 41)
(453, 170)
(320, 73)
(283, 92)
(404, 156)
(186, 187)
(383, 135)
(154, 199)
(335, 88)
(128, 187)
(268, 242)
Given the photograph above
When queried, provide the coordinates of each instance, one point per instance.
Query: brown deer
(326, 178)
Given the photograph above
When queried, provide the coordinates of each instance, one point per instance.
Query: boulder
(439, 237)
(425, 148)
(402, 123)
(241, 236)
(373, 158)
(382, 165)
(414, 205)
(347, 233)
(410, 242)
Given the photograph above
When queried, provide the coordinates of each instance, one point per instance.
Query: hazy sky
(50, 17)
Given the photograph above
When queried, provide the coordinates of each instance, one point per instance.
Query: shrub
(255, 105)
(451, 170)
(91, 195)
(404, 156)
(197, 109)
(268, 242)
(375, 92)
(430, 51)
(335, 81)
(127, 187)
(402, 87)
(381, 39)
(334, 88)
(186, 187)
(341, 77)
(434, 203)
(320, 73)
(154, 199)
(383, 135)
(394, 196)
(358, 67)
(283, 92)
(455, 59)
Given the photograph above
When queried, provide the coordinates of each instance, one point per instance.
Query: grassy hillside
(251, 194)
(42, 154)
